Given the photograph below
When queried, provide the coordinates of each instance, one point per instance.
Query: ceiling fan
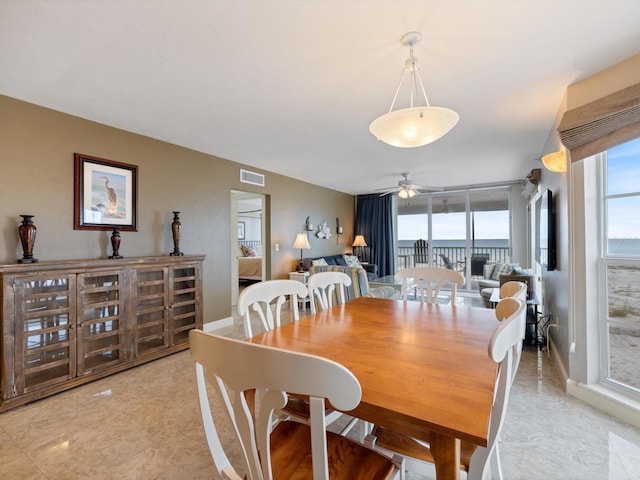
(406, 188)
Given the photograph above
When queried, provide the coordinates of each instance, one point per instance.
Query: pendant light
(417, 125)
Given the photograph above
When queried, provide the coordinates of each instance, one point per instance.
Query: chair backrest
(526, 279)
(420, 252)
(505, 347)
(327, 289)
(429, 281)
(446, 261)
(514, 289)
(505, 309)
(259, 297)
(274, 372)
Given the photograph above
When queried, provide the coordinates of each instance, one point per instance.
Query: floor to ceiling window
(464, 230)
(620, 319)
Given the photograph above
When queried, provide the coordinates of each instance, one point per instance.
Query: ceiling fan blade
(387, 193)
(386, 189)
(425, 187)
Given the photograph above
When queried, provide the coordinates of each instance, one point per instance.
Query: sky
(451, 226)
(623, 177)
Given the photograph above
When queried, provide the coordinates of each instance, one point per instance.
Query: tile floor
(144, 423)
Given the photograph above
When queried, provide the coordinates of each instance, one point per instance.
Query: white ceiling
(291, 86)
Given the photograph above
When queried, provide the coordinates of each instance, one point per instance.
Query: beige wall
(36, 159)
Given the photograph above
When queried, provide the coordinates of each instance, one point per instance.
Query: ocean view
(617, 246)
(624, 246)
(500, 242)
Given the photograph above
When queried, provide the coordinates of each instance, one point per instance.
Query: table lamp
(359, 242)
(302, 242)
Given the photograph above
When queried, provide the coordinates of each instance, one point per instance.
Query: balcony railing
(457, 256)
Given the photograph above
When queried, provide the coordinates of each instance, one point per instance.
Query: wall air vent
(251, 177)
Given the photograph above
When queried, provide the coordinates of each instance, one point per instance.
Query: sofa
(333, 260)
(495, 274)
(359, 282)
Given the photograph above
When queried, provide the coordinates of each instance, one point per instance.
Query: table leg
(446, 456)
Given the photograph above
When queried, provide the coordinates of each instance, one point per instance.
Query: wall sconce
(338, 227)
(556, 161)
(277, 246)
(308, 226)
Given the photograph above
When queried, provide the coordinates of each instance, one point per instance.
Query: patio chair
(420, 252)
(458, 267)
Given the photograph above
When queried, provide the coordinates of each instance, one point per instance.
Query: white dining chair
(429, 281)
(272, 448)
(266, 299)
(505, 349)
(327, 289)
(514, 289)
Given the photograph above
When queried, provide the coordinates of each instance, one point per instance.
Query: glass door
(464, 231)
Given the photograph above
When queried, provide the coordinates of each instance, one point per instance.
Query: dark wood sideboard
(67, 323)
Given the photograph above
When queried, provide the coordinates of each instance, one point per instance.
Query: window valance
(601, 124)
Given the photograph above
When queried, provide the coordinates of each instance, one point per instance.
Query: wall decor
(323, 230)
(240, 230)
(105, 194)
(115, 243)
(176, 226)
(27, 232)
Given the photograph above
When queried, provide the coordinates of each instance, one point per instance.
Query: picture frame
(241, 230)
(105, 194)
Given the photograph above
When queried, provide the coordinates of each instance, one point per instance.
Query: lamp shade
(302, 242)
(556, 161)
(414, 127)
(359, 241)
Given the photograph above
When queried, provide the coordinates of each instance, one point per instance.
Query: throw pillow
(352, 261)
(320, 262)
(248, 251)
(501, 269)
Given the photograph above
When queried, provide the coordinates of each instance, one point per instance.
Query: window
(464, 229)
(620, 324)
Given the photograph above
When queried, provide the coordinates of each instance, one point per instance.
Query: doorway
(248, 233)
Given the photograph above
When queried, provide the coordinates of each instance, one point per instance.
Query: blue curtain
(374, 220)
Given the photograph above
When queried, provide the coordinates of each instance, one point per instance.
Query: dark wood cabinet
(70, 322)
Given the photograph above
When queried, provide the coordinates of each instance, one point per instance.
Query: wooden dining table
(423, 368)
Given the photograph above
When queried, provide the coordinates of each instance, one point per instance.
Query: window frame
(607, 259)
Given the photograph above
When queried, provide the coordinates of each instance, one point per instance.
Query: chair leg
(496, 467)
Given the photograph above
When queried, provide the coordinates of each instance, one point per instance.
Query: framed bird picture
(105, 194)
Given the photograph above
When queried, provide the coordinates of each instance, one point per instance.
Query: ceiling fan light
(413, 127)
(411, 193)
(403, 193)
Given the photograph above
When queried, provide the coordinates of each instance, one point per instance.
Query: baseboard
(216, 324)
(601, 397)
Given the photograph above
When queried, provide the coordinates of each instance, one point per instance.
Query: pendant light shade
(414, 127)
(417, 125)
